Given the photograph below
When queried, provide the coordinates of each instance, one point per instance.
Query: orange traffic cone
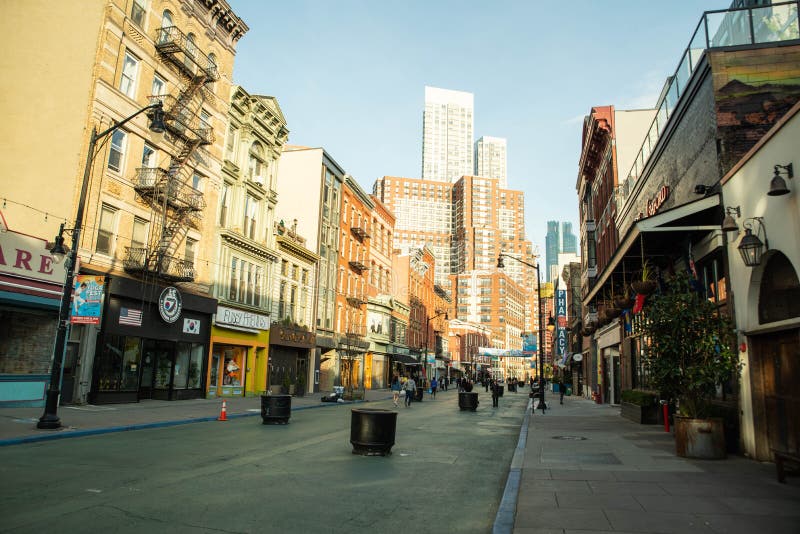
(223, 414)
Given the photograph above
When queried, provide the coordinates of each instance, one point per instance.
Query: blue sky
(350, 76)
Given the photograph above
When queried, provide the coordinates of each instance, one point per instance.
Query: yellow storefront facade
(237, 361)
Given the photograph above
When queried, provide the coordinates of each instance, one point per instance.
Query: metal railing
(183, 122)
(716, 29)
(141, 260)
(155, 181)
(176, 45)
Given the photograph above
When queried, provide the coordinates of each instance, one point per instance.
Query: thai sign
(240, 318)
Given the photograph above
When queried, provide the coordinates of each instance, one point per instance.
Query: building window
(159, 86)
(197, 182)
(250, 209)
(130, 68)
(117, 150)
(189, 251)
(148, 156)
(230, 144)
(139, 234)
(223, 205)
(233, 289)
(137, 12)
(256, 164)
(105, 232)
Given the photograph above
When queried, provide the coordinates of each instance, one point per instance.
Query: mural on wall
(752, 91)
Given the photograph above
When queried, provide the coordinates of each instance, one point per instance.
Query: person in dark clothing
(561, 388)
(495, 393)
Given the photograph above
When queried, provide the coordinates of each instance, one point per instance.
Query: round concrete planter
(699, 438)
(276, 409)
(468, 400)
(372, 431)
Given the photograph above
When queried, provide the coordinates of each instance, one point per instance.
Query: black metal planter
(276, 409)
(372, 431)
(418, 394)
(468, 400)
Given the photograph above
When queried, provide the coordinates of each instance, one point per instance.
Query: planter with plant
(301, 385)
(690, 353)
(647, 284)
(640, 406)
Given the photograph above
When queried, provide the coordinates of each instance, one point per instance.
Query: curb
(65, 434)
(504, 519)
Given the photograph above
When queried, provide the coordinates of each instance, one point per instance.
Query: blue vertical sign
(561, 322)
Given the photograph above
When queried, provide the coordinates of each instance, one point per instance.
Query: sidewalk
(586, 469)
(18, 425)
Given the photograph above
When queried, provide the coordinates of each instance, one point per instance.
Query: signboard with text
(87, 299)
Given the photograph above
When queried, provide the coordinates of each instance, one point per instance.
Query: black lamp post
(50, 420)
(500, 265)
(427, 327)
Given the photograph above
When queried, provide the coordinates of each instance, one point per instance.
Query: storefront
(30, 295)
(237, 362)
(152, 343)
(290, 353)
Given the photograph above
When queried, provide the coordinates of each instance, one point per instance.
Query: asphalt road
(446, 474)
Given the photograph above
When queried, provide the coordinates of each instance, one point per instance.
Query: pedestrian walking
(486, 384)
(434, 385)
(495, 393)
(396, 388)
(561, 388)
(410, 388)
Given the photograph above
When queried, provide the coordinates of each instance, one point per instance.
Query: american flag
(130, 317)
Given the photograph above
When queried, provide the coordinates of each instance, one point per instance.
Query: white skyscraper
(490, 159)
(447, 125)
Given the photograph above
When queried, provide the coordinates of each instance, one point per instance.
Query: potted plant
(691, 352)
(640, 406)
(647, 284)
(286, 383)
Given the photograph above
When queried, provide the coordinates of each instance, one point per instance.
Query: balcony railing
(716, 29)
(154, 182)
(142, 261)
(183, 52)
(358, 266)
(359, 232)
(182, 122)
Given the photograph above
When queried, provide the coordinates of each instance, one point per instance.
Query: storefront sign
(656, 202)
(561, 321)
(279, 335)
(87, 299)
(170, 304)
(529, 343)
(577, 357)
(241, 318)
(28, 257)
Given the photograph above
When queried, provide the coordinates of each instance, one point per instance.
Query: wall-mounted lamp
(750, 247)
(777, 186)
(729, 223)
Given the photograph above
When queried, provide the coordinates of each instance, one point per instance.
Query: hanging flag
(130, 317)
(191, 326)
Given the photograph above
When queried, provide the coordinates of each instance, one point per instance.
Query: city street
(447, 473)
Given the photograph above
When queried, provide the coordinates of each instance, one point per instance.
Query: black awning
(405, 360)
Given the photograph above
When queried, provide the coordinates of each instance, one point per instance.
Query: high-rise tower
(447, 124)
(569, 242)
(490, 159)
(552, 247)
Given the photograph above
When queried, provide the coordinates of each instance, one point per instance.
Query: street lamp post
(500, 265)
(427, 327)
(50, 420)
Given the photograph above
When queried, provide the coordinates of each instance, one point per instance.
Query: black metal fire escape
(176, 205)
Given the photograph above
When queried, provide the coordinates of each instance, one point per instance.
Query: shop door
(69, 373)
(148, 367)
(779, 355)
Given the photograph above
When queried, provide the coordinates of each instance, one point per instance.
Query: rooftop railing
(716, 29)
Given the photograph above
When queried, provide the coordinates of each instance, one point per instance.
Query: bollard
(665, 407)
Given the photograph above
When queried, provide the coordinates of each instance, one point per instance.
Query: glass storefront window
(119, 364)
(188, 365)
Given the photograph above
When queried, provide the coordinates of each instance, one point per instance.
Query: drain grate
(573, 438)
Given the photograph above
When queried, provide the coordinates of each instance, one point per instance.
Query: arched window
(212, 65)
(166, 25)
(256, 163)
(779, 297)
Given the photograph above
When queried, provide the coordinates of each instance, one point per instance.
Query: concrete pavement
(580, 468)
(586, 469)
(18, 425)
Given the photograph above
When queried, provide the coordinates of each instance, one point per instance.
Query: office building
(447, 125)
(491, 159)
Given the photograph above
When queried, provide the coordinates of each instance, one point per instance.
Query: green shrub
(639, 397)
